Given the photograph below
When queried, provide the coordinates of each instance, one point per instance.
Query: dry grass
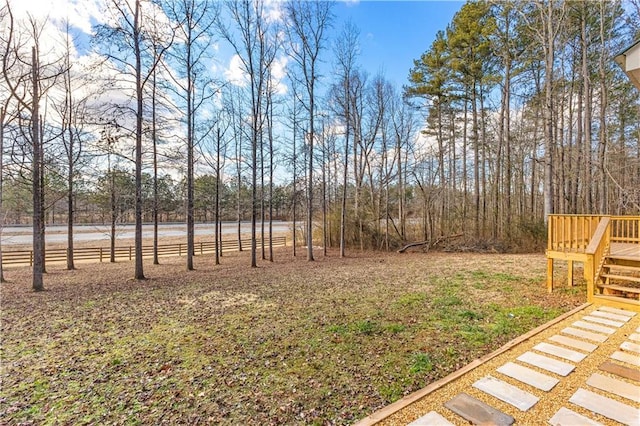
(289, 342)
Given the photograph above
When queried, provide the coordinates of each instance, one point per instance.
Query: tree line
(516, 111)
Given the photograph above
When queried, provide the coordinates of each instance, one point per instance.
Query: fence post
(130, 253)
(100, 254)
(31, 258)
(180, 249)
(201, 252)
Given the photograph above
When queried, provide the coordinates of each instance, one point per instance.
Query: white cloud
(81, 14)
(235, 73)
(278, 74)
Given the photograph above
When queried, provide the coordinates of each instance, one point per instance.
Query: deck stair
(620, 277)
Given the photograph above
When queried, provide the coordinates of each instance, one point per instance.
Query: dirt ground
(289, 342)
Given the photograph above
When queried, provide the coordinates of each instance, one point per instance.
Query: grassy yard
(290, 342)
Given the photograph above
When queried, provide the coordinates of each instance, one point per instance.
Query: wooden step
(604, 298)
(617, 287)
(621, 370)
(573, 343)
(527, 375)
(635, 336)
(615, 386)
(564, 416)
(621, 277)
(607, 407)
(626, 268)
(477, 412)
(628, 258)
(506, 392)
(430, 419)
(546, 363)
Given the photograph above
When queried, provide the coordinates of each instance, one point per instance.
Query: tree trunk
(548, 114)
(2, 212)
(139, 271)
(216, 212)
(38, 210)
(154, 139)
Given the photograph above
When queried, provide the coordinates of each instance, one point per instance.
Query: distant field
(290, 342)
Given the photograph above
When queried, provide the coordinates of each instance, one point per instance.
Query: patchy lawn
(290, 342)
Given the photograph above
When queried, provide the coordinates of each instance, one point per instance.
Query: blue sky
(394, 33)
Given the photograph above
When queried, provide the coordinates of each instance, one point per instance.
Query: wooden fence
(103, 254)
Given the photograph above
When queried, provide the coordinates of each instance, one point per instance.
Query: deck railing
(596, 251)
(587, 239)
(571, 232)
(625, 229)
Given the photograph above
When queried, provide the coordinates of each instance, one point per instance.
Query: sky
(392, 33)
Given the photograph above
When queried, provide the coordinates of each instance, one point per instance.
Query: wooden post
(100, 254)
(130, 253)
(570, 273)
(31, 258)
(588, 273)
(550, 275)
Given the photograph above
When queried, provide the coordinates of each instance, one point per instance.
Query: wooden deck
(632, 251)
(609, 249)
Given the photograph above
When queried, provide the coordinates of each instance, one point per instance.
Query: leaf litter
(289, 342)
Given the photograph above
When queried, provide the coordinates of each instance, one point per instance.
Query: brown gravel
(549, 403)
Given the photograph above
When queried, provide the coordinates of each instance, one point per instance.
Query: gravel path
(551, 401)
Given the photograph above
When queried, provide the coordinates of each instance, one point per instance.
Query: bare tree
(28, 79)
(196, 20)
(72, 115)
(126, 47)
(346, 52)
(307, 24)
(255, 44)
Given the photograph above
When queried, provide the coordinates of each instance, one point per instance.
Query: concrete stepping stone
(607, 407)
(604, 321)
(617, 311)
(526, 375)
(594, 327)
(574, 343)
(546, 363)
(560, 352)
(477, 412)
(635, 336)
(506, 392)
(609, 315)
(621, 370)
(566, 417)
(630, 346)
(615, 386)
(627, 357)
(432, 418)
(596, 337)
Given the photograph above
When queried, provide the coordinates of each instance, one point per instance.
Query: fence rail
(103, 254)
